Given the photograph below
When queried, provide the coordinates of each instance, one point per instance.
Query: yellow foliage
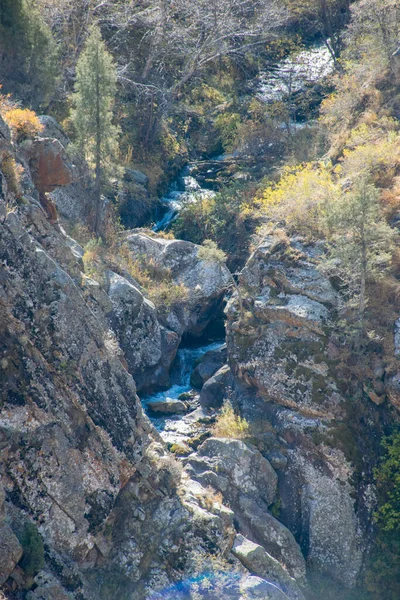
(230, 425)
(12, 173)
(300, 196)
(22, 122)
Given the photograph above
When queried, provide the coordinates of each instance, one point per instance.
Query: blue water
(181, 372)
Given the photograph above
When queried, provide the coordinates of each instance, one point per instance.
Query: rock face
(80, 462)
(48, 165)
(205, 282)
(283, 356)
(248, 484)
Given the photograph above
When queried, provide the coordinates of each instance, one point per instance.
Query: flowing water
(175, 428)
(294, 74)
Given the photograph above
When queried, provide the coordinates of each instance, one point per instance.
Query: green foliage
(360, 246)
(388, 481)
(27, 52)
(227, 125)
(382, 577)
(33, 558)
(95, 89)
(228, 218)
(209, 251)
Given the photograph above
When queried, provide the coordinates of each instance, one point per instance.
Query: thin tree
(93, 100)
(360, 246)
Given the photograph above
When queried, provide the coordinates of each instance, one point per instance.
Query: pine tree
(360, 247)
(28, 55)
(95, 89)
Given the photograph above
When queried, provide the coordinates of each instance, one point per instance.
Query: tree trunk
(97, 187)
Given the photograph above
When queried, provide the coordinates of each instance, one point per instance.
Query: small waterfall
(181, 372)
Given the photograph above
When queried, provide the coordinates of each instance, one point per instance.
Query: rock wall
(284, 365)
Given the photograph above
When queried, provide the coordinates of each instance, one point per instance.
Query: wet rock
(214, 390)
(259, 562)
(210, 362)
(168, 406)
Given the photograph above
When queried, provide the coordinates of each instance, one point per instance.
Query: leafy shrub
(33, 557)
(23, 123)
(12, 173)
(230, 425)
(382, 577)
(229, 219)
(300, 196)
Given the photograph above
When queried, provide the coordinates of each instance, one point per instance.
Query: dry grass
(230, 425)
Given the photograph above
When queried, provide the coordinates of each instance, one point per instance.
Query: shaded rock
(259, 562)
(318, 503)
(260, 526)
(5, 135)
(214, 390)
(10, 552)
(53, 130)
(132, 175)
(168, 406)
(210, 363)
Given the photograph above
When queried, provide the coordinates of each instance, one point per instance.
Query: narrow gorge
(199, 332)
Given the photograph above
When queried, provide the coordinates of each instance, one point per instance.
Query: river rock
(168, 406)
(210, 362)
(214, 390)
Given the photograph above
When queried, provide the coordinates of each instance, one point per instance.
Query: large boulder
(148, 347)
(205, 281)
(255, 558)
(209, 364)
(214, 390)
(49, 165)
(235, 468)
(248, 485)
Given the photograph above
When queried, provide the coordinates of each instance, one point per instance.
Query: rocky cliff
(92, 504)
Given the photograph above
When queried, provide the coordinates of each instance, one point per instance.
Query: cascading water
(182, 368)
(176, 198)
